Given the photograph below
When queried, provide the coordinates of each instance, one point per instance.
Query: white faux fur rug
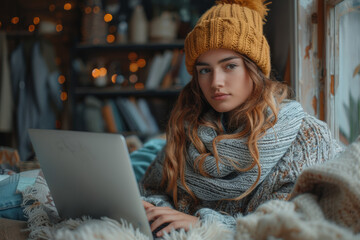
(316, 212)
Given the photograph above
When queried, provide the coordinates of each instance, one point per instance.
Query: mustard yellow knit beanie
(231, 24)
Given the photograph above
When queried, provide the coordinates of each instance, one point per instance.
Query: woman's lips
(220, 96)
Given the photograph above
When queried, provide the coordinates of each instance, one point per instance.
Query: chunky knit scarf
(226, 182)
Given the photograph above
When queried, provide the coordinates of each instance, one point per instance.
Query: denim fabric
(10, 200)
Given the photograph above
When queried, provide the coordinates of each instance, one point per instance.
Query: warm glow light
(110, 38)
(113, 78)
(108, 17)
(133, 78)
(36, 20)
(31, 28)
(133, 67)
(63, 96)
(88, 10)
(141, 62)
(61, 79)
(96, 9)
(59, 27)
(139, 86)
(15, 20)
(132, 56)
(67, 6)
(103, 71)
(95, 73)
(52, 7)
(0, 24)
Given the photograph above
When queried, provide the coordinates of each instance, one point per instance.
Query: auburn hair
(188, 114)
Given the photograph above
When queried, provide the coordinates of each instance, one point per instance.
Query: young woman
(233, 140)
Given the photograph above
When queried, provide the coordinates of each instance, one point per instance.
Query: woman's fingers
(175, 219)
(147, 204)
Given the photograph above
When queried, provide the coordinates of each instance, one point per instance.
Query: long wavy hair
(188, 114)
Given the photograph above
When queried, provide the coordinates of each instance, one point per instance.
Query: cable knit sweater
(312, 143)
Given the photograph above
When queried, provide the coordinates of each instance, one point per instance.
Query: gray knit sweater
(311, 143)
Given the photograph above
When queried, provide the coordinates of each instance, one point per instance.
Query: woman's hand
(174, 218)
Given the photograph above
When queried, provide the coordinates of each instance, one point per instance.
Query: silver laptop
(90, 174)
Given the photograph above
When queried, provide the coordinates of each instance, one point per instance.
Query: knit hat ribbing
(231, 24)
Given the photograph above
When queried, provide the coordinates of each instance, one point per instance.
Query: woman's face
(223, 79)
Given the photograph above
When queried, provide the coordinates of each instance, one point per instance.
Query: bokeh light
(141, 63)
(110, 38)
(108, 17)
(31, 28)
(15, 20)
(67, 6)
(133, 78)
(61, 79)
(59, 27)
(132, 56)
(36, 20)
(95, 73)
(63, 96)
(133, 67)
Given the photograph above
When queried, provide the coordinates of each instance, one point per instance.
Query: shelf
(126, 92)
(85, 48)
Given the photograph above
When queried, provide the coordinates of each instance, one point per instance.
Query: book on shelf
(137, 115)
(112, 118)
(149, 118)
(124, 110)
(158, 68)
(109, 118)
(93, 119)
(171, 75)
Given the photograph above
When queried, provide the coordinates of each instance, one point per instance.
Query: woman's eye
(204, 70)
(231, 66)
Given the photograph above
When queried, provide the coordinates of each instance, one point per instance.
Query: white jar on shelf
(138, 25)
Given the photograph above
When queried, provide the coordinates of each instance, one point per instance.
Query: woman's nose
(218, 79)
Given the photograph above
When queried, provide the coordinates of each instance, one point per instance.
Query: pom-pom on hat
(231, 24)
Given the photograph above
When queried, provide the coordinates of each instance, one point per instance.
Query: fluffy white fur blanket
(325, 204)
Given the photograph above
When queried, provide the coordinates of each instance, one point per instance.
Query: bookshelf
(89, 99)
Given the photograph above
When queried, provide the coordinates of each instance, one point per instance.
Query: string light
(61, 79)
(132, 56)
(59, 27)
(113, 78)
(133, 78)
(95, 73)
(141, 62)
(31, 28)
(110, 38)
(103, 72)
(67, 6)
(63, 96)
(15, 20)
(36, 20)
(108, 17)
(88, 10)
(133, 67)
